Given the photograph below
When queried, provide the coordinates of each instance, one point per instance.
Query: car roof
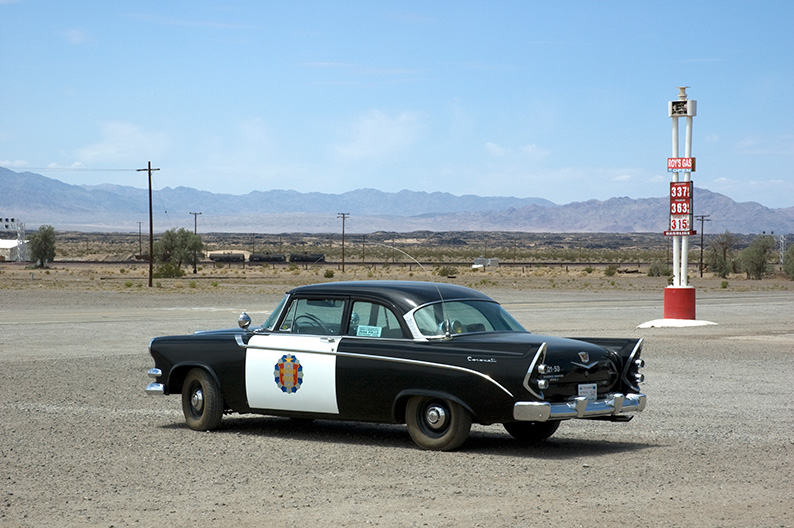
(405, 295)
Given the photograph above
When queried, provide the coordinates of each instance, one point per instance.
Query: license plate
(588, 390)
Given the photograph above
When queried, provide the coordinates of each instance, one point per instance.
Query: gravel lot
(83, 445)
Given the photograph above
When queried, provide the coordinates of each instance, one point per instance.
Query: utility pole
(151, 223)
(140, 241)
(343, 216)
(195, 225)
(702, 218)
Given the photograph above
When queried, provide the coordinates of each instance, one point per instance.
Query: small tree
(177, 248)
(42, 246)
(754, 260)
(788, 263)
(719, 257)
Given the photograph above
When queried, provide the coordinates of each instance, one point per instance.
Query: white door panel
(291, 373)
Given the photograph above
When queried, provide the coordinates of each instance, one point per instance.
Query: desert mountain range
(35, 200)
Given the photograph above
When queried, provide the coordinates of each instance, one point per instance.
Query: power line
(65, 169)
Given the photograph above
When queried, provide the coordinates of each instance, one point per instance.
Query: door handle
(328, 339)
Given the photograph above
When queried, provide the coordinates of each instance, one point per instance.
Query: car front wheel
(202, 402)
(532, 432)
(437, 424)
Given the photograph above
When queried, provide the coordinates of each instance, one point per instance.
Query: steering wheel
(314, 322)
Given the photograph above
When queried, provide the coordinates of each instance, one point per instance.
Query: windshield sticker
(368, 331)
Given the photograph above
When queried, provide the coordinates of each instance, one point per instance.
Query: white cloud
(722, 181)
(767, 146)
(495, 150)
(377, 135)
(74, 36)
(14, 163)
(534, 151)
(123, 142)
(75, 165)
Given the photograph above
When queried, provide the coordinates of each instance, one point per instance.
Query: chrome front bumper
(155, 388)
(580, 407)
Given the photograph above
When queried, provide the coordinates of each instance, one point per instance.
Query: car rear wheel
(532, 432)
(437, 424)
(202, 402)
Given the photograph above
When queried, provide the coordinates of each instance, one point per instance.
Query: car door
(294, 367)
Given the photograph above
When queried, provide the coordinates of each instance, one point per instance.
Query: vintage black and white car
(437, 357)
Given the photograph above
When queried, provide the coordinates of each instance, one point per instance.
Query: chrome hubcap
(197, 400)
(436, 417)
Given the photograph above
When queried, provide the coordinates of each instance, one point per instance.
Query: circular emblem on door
(288, 374)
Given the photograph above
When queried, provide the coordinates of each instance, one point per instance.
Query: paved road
(82, 445)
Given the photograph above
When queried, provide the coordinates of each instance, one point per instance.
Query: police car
(436, 357)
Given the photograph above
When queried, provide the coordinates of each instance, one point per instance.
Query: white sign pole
(676, 239)
(687, 177)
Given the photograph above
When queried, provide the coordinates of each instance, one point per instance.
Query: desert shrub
(788, 263)
(659, 269)
(168, 270)
(447, 271)
(589, 269)
(611, 270)
(329, 274)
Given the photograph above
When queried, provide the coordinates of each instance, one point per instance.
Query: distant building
(13, 250)
(481, 262)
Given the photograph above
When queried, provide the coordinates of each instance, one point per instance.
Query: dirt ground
(81, 444)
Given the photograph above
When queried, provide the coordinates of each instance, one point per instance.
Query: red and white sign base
(679, 302)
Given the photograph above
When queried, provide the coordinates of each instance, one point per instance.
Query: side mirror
(244, 321)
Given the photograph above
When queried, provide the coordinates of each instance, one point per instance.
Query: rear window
(464, 317)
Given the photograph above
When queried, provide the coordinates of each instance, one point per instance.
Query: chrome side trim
(155, 388)
(629, 365)
(404, 361)
(613, 404)
(540, 357)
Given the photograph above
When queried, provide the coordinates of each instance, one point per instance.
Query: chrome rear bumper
(580, 407)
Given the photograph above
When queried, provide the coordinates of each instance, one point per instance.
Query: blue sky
(560, 100)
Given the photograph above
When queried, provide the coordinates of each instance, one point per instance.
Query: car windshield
(270, 323)
(463, 317)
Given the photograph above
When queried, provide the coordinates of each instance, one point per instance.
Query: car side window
(314, 316)
(373, 320)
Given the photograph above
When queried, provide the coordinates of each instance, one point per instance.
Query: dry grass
(134, 278)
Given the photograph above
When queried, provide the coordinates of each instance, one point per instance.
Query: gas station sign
(680, 209)
(680, 164)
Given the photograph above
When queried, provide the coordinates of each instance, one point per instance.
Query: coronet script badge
(288, 374)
